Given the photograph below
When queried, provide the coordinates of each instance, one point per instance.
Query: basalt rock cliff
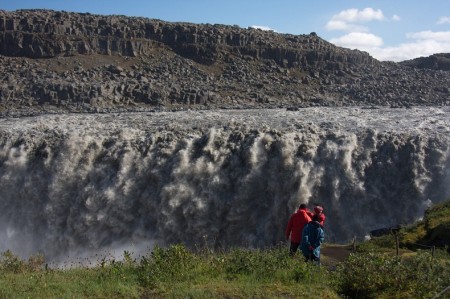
(56, 61)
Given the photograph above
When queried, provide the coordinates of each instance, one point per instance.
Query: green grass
(238, 273)
(172, 272)
(373, 271)
(375, 275)
(79, 283)
(433, 230)
(176, 272)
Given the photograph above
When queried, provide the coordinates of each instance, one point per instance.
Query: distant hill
(57, 61)
(433, 62)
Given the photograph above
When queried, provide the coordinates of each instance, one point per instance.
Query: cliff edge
(56, 61)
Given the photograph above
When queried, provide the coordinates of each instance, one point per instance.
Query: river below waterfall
(73, 184)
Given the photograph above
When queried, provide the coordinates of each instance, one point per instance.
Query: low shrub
(175, 264)
(372, 275)
(260, 263)
(11, 263)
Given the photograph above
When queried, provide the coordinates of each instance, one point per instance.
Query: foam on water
(76, 184)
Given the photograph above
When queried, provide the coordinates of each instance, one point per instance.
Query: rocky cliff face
(60, 61)
(46, 34)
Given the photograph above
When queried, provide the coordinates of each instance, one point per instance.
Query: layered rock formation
(70, 62)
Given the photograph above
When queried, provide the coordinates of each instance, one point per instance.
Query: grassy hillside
(433, 230)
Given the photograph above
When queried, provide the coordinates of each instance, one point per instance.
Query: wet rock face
(55, 61)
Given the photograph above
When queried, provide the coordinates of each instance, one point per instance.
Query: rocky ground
(58, 62)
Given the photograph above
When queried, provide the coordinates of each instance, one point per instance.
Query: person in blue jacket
(313, 236)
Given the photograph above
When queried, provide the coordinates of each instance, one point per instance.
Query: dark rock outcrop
(61, 61)
(433, 62)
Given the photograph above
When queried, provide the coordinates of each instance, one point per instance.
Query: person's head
(316, 218)
(302, 206)
(318, 209)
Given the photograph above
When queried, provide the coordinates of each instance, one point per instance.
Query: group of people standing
(305, 230)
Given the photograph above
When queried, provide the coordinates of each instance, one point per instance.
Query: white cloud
(359, 40)
(396, 18)
(355, 15)
(347, 20)
(265, 28)
(443, 20)
(440, 36)
(423, 43)
(337, 25)
(411, 50)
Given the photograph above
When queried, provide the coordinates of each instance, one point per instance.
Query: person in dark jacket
(295, 227)
(312, 237)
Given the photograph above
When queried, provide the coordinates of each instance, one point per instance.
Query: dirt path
(331, 254)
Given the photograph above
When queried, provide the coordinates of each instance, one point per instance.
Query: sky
(394, 30)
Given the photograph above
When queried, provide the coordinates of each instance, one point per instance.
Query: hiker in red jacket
(318, 210)
(295, 226)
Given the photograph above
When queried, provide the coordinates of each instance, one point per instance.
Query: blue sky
(387, 29)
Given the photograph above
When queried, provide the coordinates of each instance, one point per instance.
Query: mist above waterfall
(78, 183)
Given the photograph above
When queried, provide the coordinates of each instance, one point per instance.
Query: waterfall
(72, 184)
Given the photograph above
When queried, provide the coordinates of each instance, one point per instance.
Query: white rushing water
(73, 185)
